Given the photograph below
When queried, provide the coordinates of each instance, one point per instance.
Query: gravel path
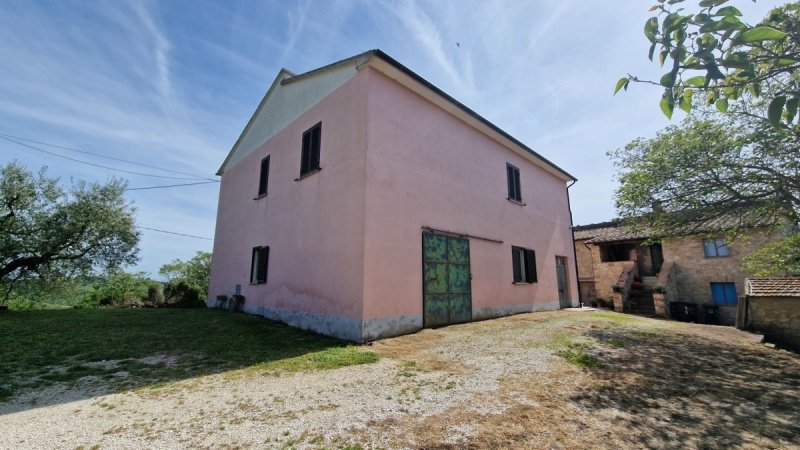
(468, 385)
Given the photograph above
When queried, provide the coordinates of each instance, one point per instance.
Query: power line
(98, 165)
(169, 186)
(172, 232)
(100, 155)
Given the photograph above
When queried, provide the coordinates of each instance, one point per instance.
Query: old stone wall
(697, 271)
(778, 318)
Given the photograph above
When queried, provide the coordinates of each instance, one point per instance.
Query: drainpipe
(574, 251)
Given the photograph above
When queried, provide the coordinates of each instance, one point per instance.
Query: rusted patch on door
(446, 280)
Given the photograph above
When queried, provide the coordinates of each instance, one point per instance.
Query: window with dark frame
(714, 248)
(309, 160)
(524, 264)
(514, 192)
(263, 177)
(723, 293)
(259, 264)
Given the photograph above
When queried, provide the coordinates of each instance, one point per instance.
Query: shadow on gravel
(688, 391)
(58, 356)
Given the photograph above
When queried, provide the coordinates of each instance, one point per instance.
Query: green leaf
(791, 109)
(711, 3)
(698, 81)
(685, 103)
(722, 105)
(667, 104)
(650, 28)
(622, 83)
(668, 80)
(662, 57)
(759, 34)
(728, 11)
(776, 109)
(652, 50)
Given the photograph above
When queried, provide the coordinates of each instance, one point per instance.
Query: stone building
(622, 266)
(772, 306)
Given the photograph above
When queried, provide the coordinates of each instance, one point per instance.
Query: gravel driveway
(504, 383)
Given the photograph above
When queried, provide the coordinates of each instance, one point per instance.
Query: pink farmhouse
(362, 202)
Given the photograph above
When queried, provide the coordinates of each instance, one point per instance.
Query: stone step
(649, 281)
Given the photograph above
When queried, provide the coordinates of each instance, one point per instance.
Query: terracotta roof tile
(773, 287)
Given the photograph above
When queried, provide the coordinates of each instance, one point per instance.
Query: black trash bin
(710, 314)
(691, 312)
(676, 311)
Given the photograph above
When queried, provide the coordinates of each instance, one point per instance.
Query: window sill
(260, 196)
(256, 284)
(308, 174)
(516, 202)
(521, 283)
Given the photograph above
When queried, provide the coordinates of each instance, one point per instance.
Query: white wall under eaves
(285, 104)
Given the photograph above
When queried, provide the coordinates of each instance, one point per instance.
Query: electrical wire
(172, 232)
(99, 165)
(169, 186)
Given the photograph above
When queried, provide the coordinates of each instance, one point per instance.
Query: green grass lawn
(40, 348)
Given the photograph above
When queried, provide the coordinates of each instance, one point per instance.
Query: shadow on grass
(93, 352)
(687, 391)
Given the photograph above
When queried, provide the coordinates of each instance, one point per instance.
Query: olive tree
(47, 230)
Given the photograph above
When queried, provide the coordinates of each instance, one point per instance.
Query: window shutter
(530, 266)
(254, 266)
(510, 178)
(263, 176)
(315, 146)
(263, 264)
(306, 155)
(515, 258)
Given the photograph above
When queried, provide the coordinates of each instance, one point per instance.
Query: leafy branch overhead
(714, 52)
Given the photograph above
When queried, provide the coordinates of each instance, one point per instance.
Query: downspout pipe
(574, 251)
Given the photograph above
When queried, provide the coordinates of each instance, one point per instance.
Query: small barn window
(723, 293)
(714, 248)
(258, 265)
(524, 264)
(263, 177)
(309, 160)
(514, 191)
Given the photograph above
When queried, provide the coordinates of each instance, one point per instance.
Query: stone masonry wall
(697, 271)
(778, 318)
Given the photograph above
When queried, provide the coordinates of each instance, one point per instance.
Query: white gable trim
(288, 98)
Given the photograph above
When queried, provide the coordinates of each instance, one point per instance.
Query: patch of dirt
(492, 384)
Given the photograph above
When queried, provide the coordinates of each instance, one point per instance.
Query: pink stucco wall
(314, 226)
(446, 175)
(345, 243)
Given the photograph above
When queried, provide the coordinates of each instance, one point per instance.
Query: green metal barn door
(561, 275)
(447, 296)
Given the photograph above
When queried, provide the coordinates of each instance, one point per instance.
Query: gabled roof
(405, 76)
(772, 287)
(618, 230)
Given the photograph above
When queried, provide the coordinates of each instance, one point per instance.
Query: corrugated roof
(773, 287)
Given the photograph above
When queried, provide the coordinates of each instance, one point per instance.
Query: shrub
(183, 295)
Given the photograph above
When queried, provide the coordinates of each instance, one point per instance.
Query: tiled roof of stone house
(616, 230)
(773, 287)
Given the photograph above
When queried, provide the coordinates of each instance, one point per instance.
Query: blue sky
(171, 84)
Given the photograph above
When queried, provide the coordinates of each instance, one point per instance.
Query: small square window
(258, 265)
(309, 160)
(523, 261)
(263, 177)
(714, 248)
(723, 293)
(514, 191)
